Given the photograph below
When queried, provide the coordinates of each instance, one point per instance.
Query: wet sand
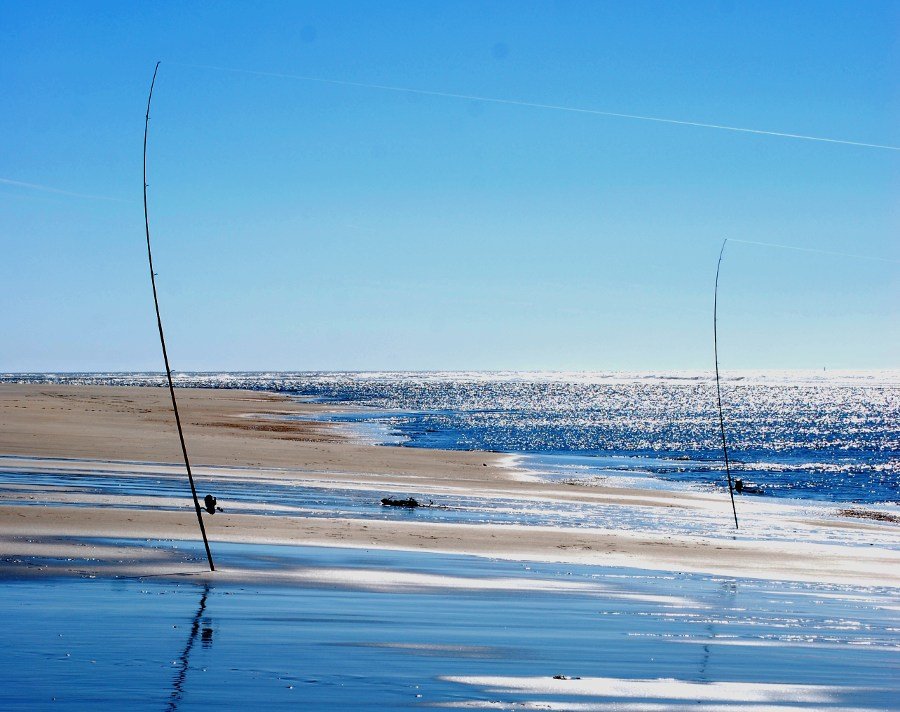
(358, 629)
(25, 530)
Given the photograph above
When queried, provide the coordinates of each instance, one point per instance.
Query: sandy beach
(492, 596)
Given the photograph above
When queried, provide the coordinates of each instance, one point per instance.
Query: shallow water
(156, 644)
(163, 487)
(34, 487)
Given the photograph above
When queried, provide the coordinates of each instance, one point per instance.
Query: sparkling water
(831, 436)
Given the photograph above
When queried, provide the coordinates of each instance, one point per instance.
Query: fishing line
(538, 105)
(162, 338)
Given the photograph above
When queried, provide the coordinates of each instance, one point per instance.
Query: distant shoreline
(233, 379)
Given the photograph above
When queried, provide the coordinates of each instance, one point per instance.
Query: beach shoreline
(233, 436)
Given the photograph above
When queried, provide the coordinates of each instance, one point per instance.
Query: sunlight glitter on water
(829, 436)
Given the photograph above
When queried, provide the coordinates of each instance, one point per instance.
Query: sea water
(825, 436)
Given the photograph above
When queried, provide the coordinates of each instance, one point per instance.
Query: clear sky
(308, 225)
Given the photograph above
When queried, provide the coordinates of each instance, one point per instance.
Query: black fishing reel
(209, 504)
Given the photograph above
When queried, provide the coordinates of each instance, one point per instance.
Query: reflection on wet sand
(565, 636)
(184, 659)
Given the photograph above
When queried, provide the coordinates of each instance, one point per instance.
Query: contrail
(536, 105)
(815, 249)
(48, 189)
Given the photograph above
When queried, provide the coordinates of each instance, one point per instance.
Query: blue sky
(307, 225)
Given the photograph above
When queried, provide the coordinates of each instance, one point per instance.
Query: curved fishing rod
(162, 338)
(718, 387)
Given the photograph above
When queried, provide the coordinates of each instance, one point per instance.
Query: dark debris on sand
(870, 514)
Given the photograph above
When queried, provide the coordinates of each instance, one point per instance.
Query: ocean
(806, 435)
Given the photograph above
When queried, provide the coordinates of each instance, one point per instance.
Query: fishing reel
(209, 504)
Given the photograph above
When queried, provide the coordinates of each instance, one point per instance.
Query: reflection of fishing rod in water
(162, 341)
(730, 588)
(184, 658)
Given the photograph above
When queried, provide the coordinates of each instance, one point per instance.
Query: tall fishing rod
(718, 387)
(162, 338)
